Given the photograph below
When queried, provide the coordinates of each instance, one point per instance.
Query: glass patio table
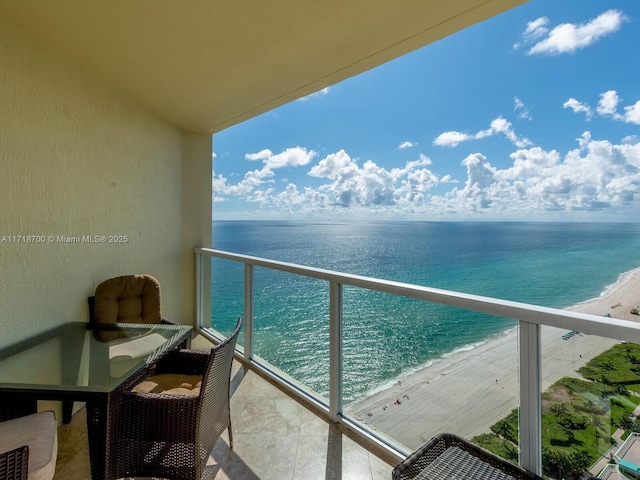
(85, 362)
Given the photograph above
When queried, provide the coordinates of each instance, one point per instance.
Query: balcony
(274, 437)
(545, 338)
(288, 429)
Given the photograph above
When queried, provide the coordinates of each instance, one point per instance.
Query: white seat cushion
(40, 432)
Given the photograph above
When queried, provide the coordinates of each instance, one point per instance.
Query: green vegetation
(579, 416)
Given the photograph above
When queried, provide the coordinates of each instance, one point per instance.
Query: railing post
(335, 351)
(199, 286)
(530, 397)
(248, 312)
(203, 295)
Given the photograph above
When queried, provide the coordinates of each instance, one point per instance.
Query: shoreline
(470, 390)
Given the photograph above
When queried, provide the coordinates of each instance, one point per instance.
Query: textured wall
(79, 161)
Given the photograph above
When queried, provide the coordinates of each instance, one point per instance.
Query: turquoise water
(550, 264)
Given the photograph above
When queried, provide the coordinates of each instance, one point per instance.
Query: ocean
(551, 264)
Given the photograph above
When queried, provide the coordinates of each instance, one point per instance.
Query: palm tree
(590, 405)
(621, 390)
(596, 422)
(560, 409)
(625, 423)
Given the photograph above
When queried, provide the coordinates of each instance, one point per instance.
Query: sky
(533, 115)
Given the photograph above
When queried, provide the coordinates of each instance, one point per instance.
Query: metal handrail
(530, 318)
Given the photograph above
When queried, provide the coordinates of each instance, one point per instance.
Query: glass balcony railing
(355, 347)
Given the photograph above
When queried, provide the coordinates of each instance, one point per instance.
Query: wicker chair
(168, 429)
(123, 299)
(28, 445)
(127, 299)
(448, 456)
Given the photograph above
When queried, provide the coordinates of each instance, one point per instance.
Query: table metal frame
(101, 399)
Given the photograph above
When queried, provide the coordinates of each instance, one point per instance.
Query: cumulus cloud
(578, 107)
(632, 113)
(608, 103)
(568, 37)
(370, 185)
(452, 139)
(407, 144)
(291, 157)
(596, 175)
(593, 177)
(607, 107)
(497, 126)
(250, 186)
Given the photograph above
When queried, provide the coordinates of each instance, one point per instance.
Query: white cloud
(451, 139)
(569, 37)
(261, 196)
(632, 113)
(497, 126)
(319, 93)
(261, 155)
(520, 109)
(291, 157)
(535, 29)
(529, 163)
(500, 125)
(596, 176)
(407, 144)
(608, 103)
(354, 185)
(246, 187)
(607, 107)
(333, 165)
(578, 107)
(372, 185)
(593, 177)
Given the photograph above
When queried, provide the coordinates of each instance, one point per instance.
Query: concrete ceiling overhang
(205, 65)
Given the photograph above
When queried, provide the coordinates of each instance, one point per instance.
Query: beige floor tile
(269, 416)
(275, 438)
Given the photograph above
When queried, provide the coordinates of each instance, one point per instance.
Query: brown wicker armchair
(169, 422)
(28, 444)
(127, 299)
(448, 456)
(124, 299)
(14, 464)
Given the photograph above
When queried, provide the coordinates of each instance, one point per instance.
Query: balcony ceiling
(205, 65)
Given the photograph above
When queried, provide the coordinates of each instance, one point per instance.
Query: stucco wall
(77, 160)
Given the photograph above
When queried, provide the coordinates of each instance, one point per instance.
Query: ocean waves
(385, 336)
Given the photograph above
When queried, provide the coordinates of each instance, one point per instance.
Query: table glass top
(83, 357)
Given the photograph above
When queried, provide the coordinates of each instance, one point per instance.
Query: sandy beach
(469, 391)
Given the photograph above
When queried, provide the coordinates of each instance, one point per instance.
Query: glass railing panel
(590, 392)
(227, 295)
(291, 326)
(413, 369)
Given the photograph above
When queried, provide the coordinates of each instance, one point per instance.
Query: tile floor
(275, 438)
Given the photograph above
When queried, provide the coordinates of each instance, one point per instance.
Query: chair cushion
(128, 299)
(39, 432)
(171, 384)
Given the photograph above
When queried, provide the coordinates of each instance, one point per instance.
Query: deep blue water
(550, 264)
